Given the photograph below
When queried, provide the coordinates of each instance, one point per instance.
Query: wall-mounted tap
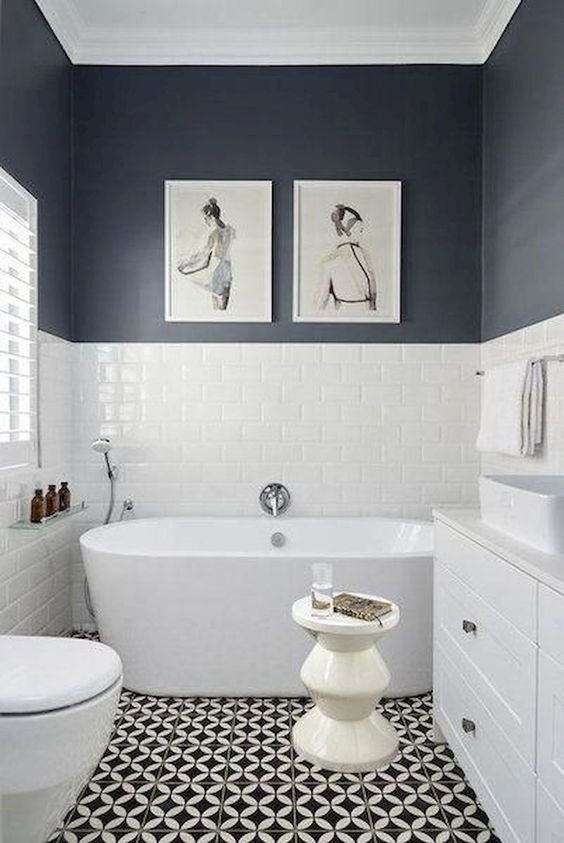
(274, 499)
(128, 505)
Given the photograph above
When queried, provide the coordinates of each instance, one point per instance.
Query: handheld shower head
(102, 445)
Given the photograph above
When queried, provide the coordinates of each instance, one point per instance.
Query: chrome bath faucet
(274, 499)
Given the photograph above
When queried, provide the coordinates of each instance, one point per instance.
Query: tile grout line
(228, 760)
(154, 789)
(292, 754)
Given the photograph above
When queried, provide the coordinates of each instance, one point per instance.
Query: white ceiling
(278, 31)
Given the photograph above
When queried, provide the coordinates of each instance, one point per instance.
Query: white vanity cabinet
(499, 676)
(550, 749)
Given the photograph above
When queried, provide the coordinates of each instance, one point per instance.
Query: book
(361, 608)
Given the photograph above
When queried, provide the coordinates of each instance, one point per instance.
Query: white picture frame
(331, 285)
(218, 254)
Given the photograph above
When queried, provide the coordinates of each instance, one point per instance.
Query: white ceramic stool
(345, 676)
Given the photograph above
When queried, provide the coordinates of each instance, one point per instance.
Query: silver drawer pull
(469, 626)
(468, 725)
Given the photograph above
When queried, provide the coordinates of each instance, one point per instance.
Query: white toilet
(58, 699)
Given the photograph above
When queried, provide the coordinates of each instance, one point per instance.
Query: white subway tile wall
(350, 429)
(538, 340)
(36, 568)
(199, 428)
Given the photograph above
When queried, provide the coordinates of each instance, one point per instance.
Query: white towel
(512, 408)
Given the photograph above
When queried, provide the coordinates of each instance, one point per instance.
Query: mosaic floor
(213, 770)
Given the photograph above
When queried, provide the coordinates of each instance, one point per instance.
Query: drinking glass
(322, 589)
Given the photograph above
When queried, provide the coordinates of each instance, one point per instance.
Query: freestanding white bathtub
(201, 606)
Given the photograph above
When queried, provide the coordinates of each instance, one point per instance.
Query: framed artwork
(347, 249)
(218, 245)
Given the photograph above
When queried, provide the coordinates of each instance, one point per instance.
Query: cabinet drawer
(550, 818)
(551, 623)
(504, 782)
(512, 593)
(499, 661)
(551, 727)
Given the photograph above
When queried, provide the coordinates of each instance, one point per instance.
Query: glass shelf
(53, 519)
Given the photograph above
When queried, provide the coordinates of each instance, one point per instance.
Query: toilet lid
(44, 674)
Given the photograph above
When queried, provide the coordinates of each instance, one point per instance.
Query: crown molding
(63, 18)
(277, 46)
(493, 22)
(231, 46)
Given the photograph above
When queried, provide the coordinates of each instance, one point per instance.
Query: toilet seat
(40, 674)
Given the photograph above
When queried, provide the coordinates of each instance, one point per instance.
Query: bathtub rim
(90, 538)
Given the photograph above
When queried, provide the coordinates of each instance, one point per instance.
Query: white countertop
(547, 568)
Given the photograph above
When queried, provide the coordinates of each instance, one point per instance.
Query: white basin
(529, 508)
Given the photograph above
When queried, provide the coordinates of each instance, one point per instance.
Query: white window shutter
(18, 324)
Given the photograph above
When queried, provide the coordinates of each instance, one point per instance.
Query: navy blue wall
(136, 127)
(35, 147)
(523, 271)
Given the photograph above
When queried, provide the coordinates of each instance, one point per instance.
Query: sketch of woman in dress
(213, 261)
(347, 275)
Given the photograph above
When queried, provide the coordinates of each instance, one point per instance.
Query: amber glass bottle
(64, 496)
(37, 507)
(51, 501)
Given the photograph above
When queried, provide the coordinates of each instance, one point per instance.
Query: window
(18, 323)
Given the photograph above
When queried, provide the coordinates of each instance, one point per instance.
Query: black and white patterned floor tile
(224, 771)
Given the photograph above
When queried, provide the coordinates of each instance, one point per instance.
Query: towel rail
(547, 358)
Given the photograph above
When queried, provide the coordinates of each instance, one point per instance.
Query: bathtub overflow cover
(278, 540)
